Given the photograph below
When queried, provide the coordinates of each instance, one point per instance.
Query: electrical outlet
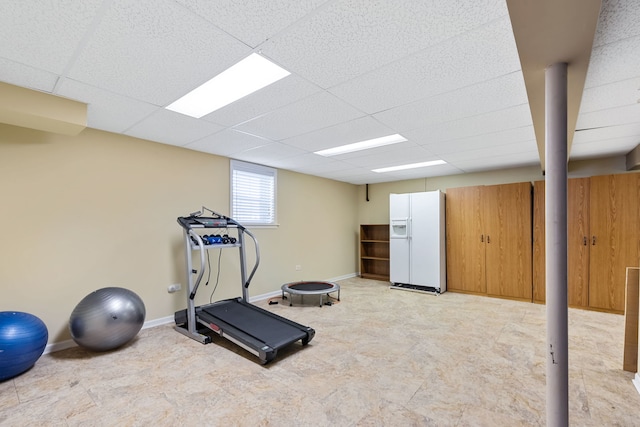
(298, 267)
(174, 288)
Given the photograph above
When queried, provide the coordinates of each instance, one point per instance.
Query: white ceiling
(444, 74)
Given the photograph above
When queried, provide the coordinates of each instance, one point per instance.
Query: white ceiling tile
(618, 20)
(154, 50)
(279, 94)
(22, 75)
(609, 132)
(482, 54)
(355, 172)
(336, 167)
(377, 158)
(358, 176)
(343, 170)
(609, 117)
(312, 113)
(498, 161)
(227, 143)
(334, 45)
(172, 128)
(310, 161)
(44, 34)
(614, 62)
(106, 110)
(268, 154)
(484, 152)
(401, 150)
(429, 171)
(604, 148)
(252, 21)
(491, 95)
(357, 130)
(367, 179)
(625, 92)
(494, 139)
(495, 121)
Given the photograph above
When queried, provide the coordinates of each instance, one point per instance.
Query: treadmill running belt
(272, 331)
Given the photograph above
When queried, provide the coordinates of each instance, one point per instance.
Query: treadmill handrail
(201, 270)
(255, 267)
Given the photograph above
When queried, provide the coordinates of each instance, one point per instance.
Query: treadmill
(256, 330)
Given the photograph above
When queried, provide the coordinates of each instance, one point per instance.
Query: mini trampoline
(310, 288)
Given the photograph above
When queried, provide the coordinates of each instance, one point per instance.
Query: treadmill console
(189, 222)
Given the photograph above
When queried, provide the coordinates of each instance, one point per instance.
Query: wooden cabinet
(578, 212)
(577, 243)
(374, 251)
(465, 242)
(615, 237)
(603, 233)
(489, 240)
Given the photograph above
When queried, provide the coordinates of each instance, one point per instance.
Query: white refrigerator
(417, 258)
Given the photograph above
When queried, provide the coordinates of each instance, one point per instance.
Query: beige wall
(376, 210)
(95, 210)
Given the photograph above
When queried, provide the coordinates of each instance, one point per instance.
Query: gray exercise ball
(107, 319)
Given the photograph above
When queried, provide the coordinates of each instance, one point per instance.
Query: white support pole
(556, 244)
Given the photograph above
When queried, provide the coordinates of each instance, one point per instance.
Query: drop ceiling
(444, 74)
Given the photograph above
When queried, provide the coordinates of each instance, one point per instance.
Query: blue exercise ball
(107, 319)
(23, 338)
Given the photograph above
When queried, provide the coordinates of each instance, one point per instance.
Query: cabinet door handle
(584, 240)
(482, 238)
(593, 240)
(488, 239)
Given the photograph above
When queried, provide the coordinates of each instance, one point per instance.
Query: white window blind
(253, 193)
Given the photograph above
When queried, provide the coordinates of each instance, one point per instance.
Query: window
(253, 193)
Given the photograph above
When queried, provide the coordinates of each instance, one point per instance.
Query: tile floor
(380, 357)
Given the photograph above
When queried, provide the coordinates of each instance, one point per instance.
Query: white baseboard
(158, 322)
(265, 296)
(63, 345)
(58, 346)
(346, 276)
(636, 381)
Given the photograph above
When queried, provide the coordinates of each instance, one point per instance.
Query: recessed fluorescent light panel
(410, 166)
(247, 76)
(362, 145)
